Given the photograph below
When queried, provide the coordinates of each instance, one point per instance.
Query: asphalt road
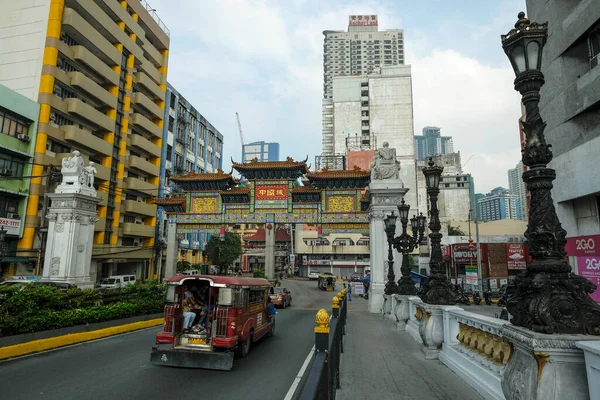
(119, 367)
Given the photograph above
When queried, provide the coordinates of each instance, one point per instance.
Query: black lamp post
(439, 290)
(390, 229)
(549, 298)
(406, 243)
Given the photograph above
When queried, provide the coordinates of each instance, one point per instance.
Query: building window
(11, 125)
(57, 147)
(57, 119)
(169, 150)
(68, 40)
(8, 205)
(129, 218)
(594, 47)
(11, 166)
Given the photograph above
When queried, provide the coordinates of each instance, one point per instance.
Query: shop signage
(493, 284)
(589, 268)
(515, 256)
(363, 20)
(583, 245)
(463, 254)
(271, 192)
(12, 226)
(471, 275)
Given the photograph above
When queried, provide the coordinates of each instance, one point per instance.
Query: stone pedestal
(401, 310)
(384, 195)
(591, 351)
(427, 326)
(72, 216)
(544, 367)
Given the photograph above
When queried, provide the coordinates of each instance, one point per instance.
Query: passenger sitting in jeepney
(188, 315)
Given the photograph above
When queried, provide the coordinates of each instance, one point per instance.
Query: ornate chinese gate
(270, 193)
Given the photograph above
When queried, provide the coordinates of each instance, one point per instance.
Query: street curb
(73, 338)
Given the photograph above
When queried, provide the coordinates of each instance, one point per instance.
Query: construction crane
(240, 129)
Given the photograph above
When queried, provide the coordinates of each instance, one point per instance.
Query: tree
(223, 253)
(455, 231)
(183, 266)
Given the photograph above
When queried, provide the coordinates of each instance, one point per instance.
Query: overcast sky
(264, 59)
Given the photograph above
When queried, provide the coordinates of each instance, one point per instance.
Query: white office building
(516, 186)
(360, 51)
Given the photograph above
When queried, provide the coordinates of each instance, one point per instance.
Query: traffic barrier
(324, 375)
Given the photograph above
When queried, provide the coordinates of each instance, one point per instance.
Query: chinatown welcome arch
(334, 201)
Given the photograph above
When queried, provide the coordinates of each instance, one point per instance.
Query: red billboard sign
(583, 245)
(516, 257)
(363, 20)
(271, 192)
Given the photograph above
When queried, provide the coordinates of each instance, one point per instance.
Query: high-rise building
(262, 151)
(517, 186)
(98, 69)
(570, 105)
(377, 108)
(193, 145)
(499, 204)
(432, 143)
(360, 51)
(18, 127)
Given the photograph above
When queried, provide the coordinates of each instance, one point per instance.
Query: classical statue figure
(72, 169)
(90, 172)
(384, 164)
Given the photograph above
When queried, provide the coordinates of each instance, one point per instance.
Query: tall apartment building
(432, 143)
(570, 104)
(377, 108)
(517, 186)
(18, 127)
(360, 51)
(262, 151)
(499, 204)
(98, 69)
(192, 145)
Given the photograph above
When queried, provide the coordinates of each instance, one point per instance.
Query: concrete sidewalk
(380, 362)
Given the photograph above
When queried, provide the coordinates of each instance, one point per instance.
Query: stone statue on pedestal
(90, 172)
(77, 178)
(384, 164)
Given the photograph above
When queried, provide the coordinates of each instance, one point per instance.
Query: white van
(117, 281)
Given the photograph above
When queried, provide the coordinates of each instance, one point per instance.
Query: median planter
(33, 309)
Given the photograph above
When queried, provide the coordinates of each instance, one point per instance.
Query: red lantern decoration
(222, 231)
(269, 226)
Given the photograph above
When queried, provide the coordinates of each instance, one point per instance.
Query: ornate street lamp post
(439, 290)
(549, 298)
(406, 243)
(390, 229)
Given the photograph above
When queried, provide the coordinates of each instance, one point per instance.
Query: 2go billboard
(587, 251)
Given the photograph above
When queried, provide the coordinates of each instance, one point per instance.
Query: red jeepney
(237, 316)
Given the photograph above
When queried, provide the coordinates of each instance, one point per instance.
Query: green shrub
(258, 273)
(35, 308)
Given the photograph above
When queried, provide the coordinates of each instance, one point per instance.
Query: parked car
(313, 275)
(356, 277)
(280, 297)
(117, 281)
(59, 285)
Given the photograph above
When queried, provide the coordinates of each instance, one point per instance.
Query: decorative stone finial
(322, 320)
(336, 302)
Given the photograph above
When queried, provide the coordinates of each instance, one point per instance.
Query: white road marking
(298, 378)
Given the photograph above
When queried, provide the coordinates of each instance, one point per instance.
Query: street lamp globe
(390, 221)
(523, 45)
(403, 209)
(414, 222)
(422, 220)
(432, 175)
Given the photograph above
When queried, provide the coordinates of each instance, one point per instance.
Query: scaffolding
(334, 162)
(361, 142)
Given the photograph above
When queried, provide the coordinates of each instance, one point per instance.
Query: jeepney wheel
(244, 348)
(272, 331)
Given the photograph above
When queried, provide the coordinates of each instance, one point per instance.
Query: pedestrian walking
(349, 291)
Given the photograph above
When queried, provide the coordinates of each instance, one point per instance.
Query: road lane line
(292, 391)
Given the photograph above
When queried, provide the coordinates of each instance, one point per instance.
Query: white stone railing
(591, 351)
(475, 350)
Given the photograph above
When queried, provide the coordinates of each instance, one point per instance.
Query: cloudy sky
(264, 59)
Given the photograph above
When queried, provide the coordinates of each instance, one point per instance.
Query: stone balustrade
(475, 349)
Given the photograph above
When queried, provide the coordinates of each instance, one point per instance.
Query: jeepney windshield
(170, 298)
